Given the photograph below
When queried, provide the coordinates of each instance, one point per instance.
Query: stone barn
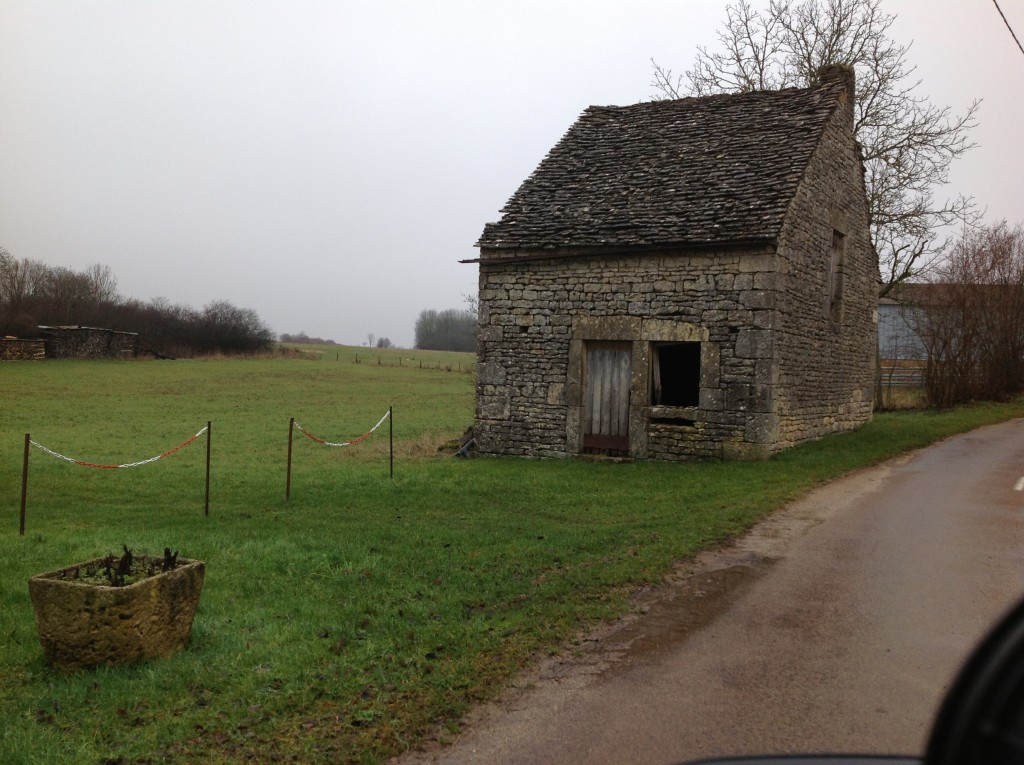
(684, 279)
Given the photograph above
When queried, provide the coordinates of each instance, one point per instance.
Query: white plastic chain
(84, 463)
(345, 443)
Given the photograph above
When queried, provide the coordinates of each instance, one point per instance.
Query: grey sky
(328, 163)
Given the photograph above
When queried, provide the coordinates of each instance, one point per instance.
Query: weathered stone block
(757, 299)
(754, 343)
(494, 407)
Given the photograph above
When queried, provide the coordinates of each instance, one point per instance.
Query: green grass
(345, 624)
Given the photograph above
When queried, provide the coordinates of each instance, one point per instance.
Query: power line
(1008, 26)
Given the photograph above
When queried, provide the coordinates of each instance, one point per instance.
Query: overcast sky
(329, 163)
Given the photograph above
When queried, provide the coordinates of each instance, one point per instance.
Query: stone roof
(693, 171)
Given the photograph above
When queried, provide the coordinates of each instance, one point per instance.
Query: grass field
(366, 613)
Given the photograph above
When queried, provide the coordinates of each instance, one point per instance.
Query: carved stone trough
(83, 624)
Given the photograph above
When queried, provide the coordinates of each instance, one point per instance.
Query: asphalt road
(837, 625)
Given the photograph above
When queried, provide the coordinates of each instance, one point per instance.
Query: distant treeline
(302, 337)
(450, 330)
(34, 294)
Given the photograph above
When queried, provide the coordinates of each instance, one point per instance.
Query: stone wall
(536, 320)
(826, 356)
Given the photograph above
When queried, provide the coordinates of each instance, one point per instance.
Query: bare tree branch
(908, 143)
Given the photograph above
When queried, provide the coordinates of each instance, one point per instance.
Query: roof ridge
(728, 96)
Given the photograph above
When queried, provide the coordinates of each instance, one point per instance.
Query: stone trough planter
(82, 623)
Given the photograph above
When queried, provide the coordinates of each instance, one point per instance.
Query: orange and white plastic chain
(83, 463)
(325, 442)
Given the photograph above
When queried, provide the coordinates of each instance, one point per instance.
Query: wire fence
(29, 443)
(293, 425)
(84, 463)
(207, 431)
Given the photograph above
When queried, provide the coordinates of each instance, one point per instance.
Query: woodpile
(88, 343)
(21, 349)
(70, 343)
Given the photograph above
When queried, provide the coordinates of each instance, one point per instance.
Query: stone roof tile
(689, 171)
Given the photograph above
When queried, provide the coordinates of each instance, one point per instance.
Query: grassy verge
(343, 625)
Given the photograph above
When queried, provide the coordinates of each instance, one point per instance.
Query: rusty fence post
(24, 486)
(209, 441)
(288, 479)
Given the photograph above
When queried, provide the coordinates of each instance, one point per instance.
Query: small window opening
(835, 276)
(675, 374)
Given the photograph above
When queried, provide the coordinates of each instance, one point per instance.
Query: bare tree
(449, 330)
(18, 285)
(62, 294)
(102, 284)
(972, 318)
(225, 328)
(472, 304)
(908, 143)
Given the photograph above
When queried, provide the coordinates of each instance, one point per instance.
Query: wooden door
(606, 397)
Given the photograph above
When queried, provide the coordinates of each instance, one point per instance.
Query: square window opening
(675, 374)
